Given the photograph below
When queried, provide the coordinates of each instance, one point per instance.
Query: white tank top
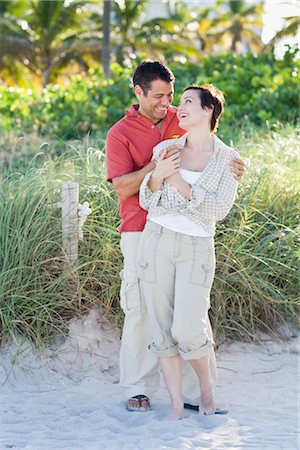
(178, 223)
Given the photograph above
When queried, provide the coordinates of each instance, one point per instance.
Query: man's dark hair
(149, 71)
(211, 98)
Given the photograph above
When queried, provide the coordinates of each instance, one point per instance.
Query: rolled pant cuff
(164, 353)
(197, 353)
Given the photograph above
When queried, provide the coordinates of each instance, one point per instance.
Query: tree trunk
(46, 75)
(106, 37)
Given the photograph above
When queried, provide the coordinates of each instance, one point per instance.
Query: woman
(187, 192)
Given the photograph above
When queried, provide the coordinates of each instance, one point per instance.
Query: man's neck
(158, 122)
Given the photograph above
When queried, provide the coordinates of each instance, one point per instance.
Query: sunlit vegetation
(56, 105)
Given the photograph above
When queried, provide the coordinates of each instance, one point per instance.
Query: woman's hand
(174, 179)
(166, 166)
(170, 151)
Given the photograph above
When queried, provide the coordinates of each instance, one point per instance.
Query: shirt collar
(132, 111)
(182, 140)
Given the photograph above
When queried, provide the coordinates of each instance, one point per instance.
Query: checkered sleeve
(216, 204)
(213, 196)
(211, 205)
(148, 199)
(172, 200)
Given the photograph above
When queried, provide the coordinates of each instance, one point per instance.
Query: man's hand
(238, 168)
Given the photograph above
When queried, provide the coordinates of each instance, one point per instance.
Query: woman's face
(190, 112)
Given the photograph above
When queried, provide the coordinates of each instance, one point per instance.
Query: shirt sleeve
(213, 199)
(118, 158)
(215, 204)
(148, 199)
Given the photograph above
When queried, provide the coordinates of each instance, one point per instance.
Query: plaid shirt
(212, 195)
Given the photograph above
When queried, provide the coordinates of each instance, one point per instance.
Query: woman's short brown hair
(212, 98)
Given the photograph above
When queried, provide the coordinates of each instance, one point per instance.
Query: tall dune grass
(256, 285)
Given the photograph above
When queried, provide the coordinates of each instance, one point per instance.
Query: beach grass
(256, 285)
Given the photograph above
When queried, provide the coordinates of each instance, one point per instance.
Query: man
(129, 148)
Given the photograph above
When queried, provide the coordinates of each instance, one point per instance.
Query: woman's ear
(209, 109)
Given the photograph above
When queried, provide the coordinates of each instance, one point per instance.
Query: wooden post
(69, 209)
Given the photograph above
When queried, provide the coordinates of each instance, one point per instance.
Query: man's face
(159, 97)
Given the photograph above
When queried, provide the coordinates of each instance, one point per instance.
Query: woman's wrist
(182, 186)
(155, 183)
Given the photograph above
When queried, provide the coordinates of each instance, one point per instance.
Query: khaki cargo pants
(139, 373)
(176, 273)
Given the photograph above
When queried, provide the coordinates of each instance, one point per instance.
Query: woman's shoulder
(224, 149)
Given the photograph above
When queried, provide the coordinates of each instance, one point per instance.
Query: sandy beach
(68, 397)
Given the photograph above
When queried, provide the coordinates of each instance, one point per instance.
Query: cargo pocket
(203, 265)
(146, 256)
(130, 296)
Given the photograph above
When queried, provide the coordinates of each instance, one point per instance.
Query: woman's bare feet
(176, 412)
(207, 406)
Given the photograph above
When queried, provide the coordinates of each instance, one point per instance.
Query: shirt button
(152, 126)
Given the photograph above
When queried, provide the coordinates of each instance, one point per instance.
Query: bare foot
(176, 412)
(208, 411)
(138, 403)
(208, 406)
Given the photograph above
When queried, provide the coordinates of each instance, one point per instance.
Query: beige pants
(139, 372)
(176, 273)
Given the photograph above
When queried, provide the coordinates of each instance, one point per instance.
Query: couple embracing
(174, 179)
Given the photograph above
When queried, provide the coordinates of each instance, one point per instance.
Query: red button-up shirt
(129, 146)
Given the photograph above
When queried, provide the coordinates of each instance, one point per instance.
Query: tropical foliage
(290, 28)
(57, 133)
(239, 26)
(257, 88)
(51, 36)
(40, 38)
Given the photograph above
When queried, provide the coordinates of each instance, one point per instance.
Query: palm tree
(126, 24)
(120, 22)
(173, 35)
(207, 23)
(290, 28)
(106, 37)
(52, 35)
(239, 27)
(13, 33)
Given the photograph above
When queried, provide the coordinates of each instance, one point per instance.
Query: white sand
(68, 397)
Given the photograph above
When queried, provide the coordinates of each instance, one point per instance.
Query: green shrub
(257, 89)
